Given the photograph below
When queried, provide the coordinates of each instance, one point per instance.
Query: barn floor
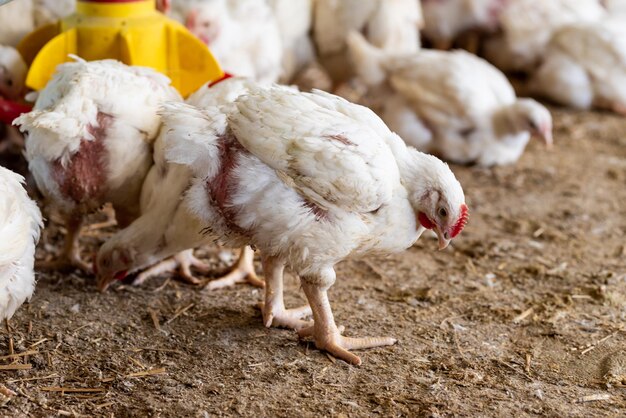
(523, 316)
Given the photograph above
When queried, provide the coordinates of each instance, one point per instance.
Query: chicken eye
(443, 212)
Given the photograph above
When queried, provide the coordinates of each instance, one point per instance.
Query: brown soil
(523, 316)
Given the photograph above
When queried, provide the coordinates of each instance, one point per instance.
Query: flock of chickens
(305, 178)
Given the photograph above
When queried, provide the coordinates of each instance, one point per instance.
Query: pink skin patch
(84, 178)
(222, 187)
(461, 222)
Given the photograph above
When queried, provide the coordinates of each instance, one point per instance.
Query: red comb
(460, 224)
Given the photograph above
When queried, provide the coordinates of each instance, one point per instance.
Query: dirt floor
(524, 315)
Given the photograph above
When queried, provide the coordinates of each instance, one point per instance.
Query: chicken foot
(242, 272)
(185, 260)
(70, 254)
(181, 263)
(274, 311)
(325, 332)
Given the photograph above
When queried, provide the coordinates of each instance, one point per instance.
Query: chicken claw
(6, 395)
(274, 312)
(70, 255)
(275, 315)
(242, 272)
(327, 336)
(182, 262)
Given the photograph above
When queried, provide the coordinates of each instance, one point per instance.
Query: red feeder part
(10, 110)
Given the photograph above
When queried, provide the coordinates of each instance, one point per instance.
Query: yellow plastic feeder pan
(131, 31)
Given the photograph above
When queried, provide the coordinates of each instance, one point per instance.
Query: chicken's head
(112, 264)
(206, 20)
(531, 116)
(12, 73)
(438, 199)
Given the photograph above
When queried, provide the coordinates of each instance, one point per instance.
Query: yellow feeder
(131, 31)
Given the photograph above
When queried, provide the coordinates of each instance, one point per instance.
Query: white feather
(20, 225)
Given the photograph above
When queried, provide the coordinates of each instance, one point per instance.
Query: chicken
(392, 25)
(12, 78)
(167, 226)
(20, 225)
(13, 71)
(310, 179)
(585, 66)
(50, 11)
(452, 104)
(294, 18)
(89, 141)
(16, 21)
(445, 20)
(615, 7)
(528, 25)
(242, 34)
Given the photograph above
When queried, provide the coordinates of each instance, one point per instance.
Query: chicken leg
(183, 261)
(70, 255)
(6, 395)
(242, 272)
(274, 311)
(325, 332)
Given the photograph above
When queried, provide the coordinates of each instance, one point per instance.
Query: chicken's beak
(103, 283)
(444, 240)
(545, 134)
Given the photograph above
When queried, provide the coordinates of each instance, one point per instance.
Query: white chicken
(585, 66)
(89, 141)
(12, 78)
(528, 25)
(294, 18)
(615, 7)
(452, 104)
(242, 34)
(392, 25)
(445, 20)
(310, 179)
(167, 225)
(13, 71)
(16, 21)
(50, 11)
(20, 225)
